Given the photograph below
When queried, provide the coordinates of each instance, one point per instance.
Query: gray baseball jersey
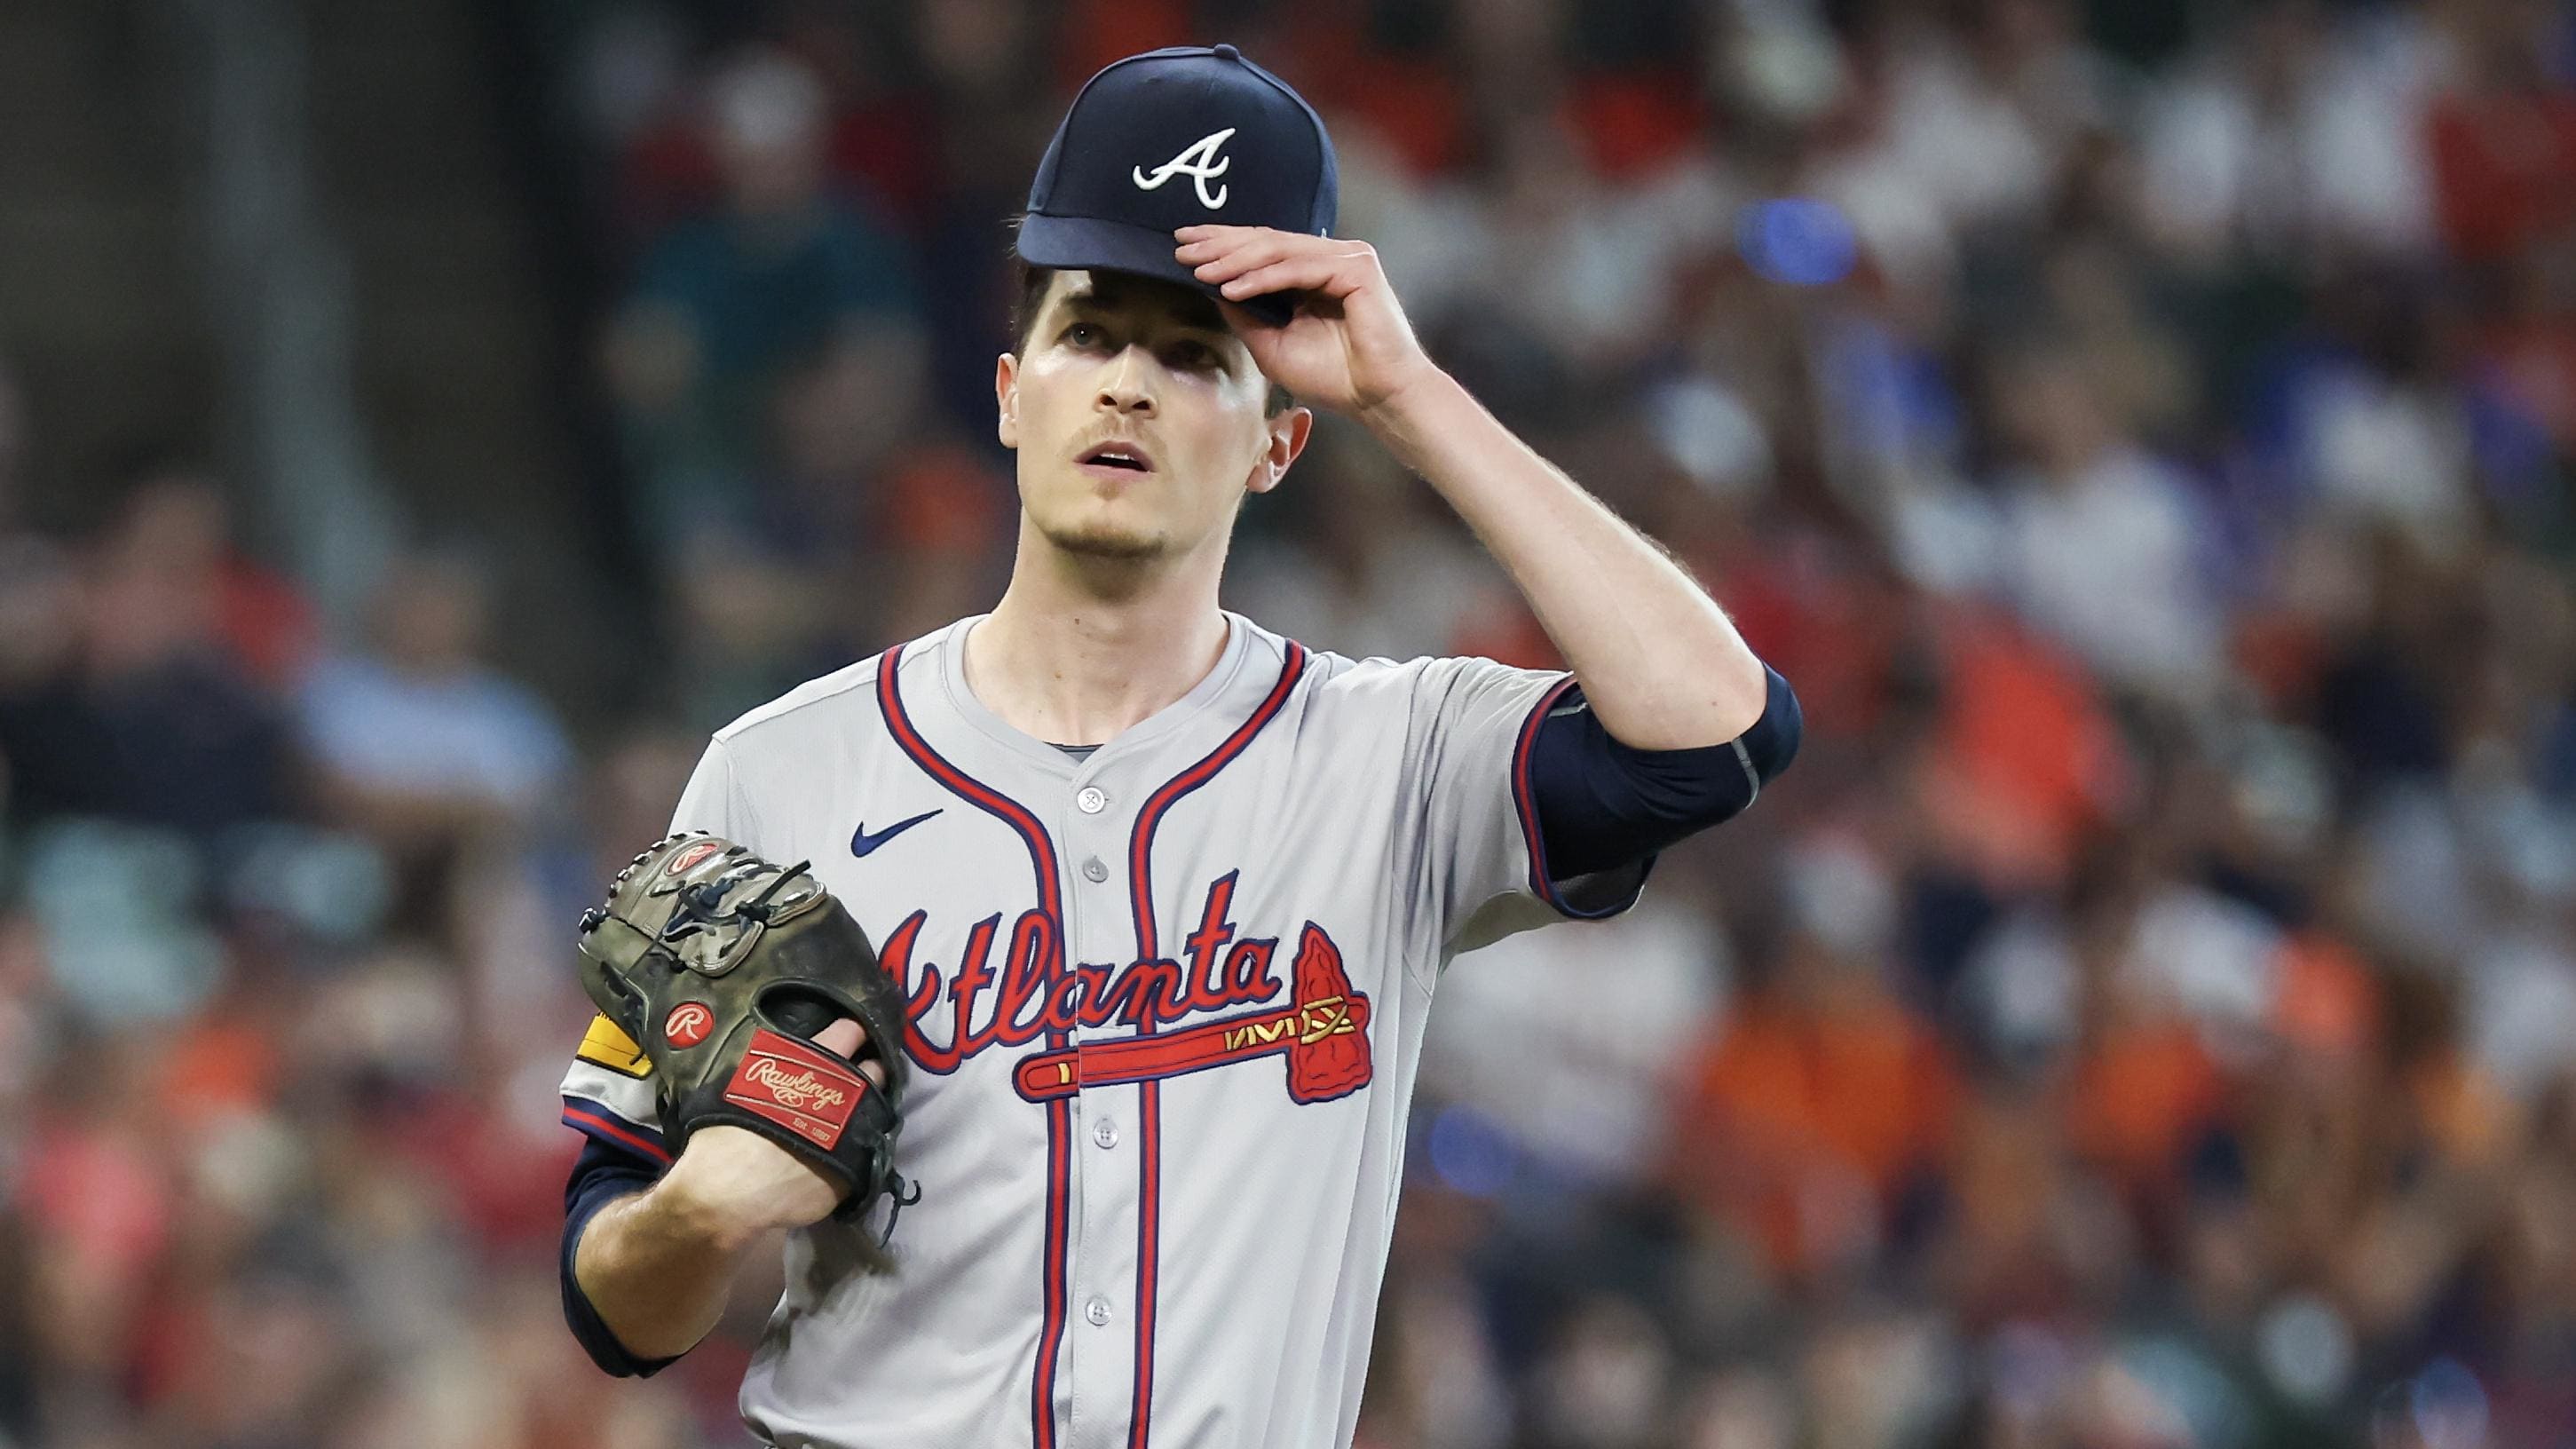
(1165, 1007)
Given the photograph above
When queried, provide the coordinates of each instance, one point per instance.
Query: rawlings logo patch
(803, 1091)
(795, 1086)
(688, 1024)
(692, 857)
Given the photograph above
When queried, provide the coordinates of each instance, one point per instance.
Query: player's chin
(1108, 539)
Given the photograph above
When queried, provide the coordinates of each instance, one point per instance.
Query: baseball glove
(722, 967)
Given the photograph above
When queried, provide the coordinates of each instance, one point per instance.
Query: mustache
(1099, 437)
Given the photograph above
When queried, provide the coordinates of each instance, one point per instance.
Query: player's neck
(1060, 662)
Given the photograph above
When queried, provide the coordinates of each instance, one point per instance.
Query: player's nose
(1127, 383)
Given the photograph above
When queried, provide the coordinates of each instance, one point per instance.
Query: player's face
(1139, 418)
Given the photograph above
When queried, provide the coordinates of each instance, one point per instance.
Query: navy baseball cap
(1174, 138)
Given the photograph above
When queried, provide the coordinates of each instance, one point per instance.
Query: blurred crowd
(2146, 1017)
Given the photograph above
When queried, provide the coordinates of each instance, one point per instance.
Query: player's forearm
(1660, 663)
(657, 1270)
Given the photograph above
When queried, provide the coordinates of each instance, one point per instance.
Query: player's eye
(1196, 356)
(1085, 334)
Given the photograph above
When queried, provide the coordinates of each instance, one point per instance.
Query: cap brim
(1090, 244)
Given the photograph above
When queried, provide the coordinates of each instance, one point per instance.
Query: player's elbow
(1704, 704)
(1603, 804)
(1771, 743)
(1696, 789)
(1746, 693)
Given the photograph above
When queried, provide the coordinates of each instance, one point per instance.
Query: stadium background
(2145, 1017)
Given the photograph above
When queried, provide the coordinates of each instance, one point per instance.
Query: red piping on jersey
(1059, 1125)
(1149, 1136)
(1525, 801)
(599, 1124)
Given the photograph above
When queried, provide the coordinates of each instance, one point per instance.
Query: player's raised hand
(1349, 347)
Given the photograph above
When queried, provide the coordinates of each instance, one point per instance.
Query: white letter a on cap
(1201, 164)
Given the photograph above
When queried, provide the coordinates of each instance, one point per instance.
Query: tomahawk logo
(1199, 162)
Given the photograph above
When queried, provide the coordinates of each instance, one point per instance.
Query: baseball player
(1167, 895)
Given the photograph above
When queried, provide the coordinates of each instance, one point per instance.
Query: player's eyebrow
(1174, 311)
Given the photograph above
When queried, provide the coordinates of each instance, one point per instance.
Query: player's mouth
(1117, 461)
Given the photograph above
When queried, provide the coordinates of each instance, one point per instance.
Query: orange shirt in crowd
(2026, 759)
(1792, 1108)
(2139, 1097)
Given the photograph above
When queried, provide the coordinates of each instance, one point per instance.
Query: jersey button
(1105, 1132)
(1091, 801)
(1093, 871)
(1097, 1312)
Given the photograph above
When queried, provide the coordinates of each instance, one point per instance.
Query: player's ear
(1006, 399)
(1288, 430)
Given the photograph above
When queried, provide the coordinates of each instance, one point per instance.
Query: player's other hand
(734, 1185)
(1349, 348)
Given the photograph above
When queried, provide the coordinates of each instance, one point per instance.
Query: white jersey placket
(1099, 1355)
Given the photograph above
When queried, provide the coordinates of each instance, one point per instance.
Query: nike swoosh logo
(862, 843)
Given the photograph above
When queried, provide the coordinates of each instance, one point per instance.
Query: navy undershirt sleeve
(601, 1175)
(1602, 805)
